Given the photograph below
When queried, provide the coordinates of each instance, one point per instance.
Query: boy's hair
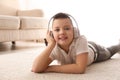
(60, 15)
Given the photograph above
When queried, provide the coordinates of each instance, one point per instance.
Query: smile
(63, 38)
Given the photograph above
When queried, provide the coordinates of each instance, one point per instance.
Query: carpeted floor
(16, 65)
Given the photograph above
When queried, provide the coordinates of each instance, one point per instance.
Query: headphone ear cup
(76, 32)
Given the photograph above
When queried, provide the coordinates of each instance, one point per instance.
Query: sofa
(17, 24)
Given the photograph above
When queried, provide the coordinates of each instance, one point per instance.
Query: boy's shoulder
(80, 40)
(81, 37)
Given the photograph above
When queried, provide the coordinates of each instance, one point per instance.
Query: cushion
(30, 13)
(9, 22)
(33, 22)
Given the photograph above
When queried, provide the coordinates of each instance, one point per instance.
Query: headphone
(76, 29)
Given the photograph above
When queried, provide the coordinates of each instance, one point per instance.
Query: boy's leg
(114, 49)
(103, 53)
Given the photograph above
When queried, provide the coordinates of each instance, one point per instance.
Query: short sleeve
(81, 45)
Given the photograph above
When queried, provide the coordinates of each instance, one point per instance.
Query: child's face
(63, 31)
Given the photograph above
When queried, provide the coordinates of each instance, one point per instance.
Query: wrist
(51, 44)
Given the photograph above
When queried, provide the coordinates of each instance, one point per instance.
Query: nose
(62, 31)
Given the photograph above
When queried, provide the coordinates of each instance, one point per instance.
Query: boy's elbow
(35, 70)
(81, 71)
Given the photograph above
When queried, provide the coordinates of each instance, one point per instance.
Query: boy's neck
(65, 48)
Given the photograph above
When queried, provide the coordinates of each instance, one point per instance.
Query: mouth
(63, 38)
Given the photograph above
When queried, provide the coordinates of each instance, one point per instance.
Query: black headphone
(76, 29)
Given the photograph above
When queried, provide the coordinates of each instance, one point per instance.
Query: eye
(67, 28)
(57, 30)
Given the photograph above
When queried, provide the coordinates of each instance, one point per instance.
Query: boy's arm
(42, 61)
(78, 67)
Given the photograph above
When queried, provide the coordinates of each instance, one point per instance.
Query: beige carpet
(16, 65)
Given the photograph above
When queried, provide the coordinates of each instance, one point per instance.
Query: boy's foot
(114, 49)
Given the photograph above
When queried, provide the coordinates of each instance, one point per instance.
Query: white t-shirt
(78, 46)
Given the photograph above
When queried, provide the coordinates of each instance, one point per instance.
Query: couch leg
(13, 42)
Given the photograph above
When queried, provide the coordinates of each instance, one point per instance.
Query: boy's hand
(49, 37)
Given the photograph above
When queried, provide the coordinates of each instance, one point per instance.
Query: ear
(76, 32)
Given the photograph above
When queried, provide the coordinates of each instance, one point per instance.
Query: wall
(9, 7)
(10, 3)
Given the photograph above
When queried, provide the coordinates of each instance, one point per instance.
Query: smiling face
(62, 29)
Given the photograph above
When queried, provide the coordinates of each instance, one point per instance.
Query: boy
(70, 49)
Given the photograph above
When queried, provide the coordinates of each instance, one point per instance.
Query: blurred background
(98, 20)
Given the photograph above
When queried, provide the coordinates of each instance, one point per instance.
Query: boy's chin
(62, 44)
